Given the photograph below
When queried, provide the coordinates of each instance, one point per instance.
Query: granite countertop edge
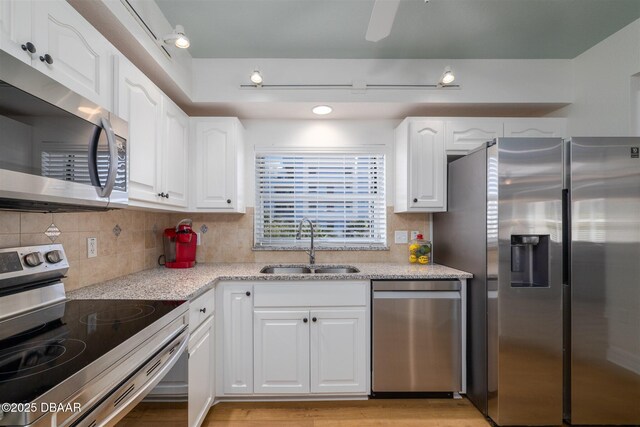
(186, 284)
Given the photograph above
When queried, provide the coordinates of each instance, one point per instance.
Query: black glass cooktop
(42, 349)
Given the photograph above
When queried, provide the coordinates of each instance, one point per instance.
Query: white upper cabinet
(219, 165)
(139, 102)
(15, 29)
(421, 161)
(159, 141)
(175, 154)
(464, 135)
(535, 127)
(65, 46)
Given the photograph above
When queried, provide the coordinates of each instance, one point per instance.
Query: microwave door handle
(113, 158)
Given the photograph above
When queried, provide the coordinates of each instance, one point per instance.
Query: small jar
(420, 251)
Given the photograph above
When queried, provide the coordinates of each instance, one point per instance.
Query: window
(343, 194)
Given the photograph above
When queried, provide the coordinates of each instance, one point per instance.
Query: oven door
(58, 151)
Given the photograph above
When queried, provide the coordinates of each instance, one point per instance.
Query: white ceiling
(453, 29)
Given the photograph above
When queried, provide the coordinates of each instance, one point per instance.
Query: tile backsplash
(229, 238)
(130, 241)
(135, 247)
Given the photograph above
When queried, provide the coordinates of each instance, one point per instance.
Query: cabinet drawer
(201, 308)
(311, 294)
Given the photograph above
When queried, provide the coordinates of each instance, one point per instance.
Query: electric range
(76, 362)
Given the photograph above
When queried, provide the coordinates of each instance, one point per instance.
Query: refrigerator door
(605, 281)
(524, 281)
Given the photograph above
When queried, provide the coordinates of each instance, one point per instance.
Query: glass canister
(420, 251)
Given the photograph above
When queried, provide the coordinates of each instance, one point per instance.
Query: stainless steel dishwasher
(417, 344)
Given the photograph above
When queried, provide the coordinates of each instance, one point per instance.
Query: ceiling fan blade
(382, 16)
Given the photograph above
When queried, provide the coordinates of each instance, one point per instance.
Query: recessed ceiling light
(321, 110)
(256, 78)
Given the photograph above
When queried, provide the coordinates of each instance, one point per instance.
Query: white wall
(603, 81)
(317, 134)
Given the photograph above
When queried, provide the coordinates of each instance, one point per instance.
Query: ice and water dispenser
(529, 260)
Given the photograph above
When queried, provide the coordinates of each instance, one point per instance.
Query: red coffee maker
(180, 245)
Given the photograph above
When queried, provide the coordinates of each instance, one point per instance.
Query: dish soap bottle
(420, 250)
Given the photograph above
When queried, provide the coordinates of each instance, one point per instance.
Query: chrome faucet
(311, 251)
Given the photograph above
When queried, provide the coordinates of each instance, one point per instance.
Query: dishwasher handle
(416, 295)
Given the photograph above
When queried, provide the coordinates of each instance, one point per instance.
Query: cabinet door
(201, 373)
(175, 154)
(139, 102)
(464, 135)
(15, 28)
(238, 339)
(217, 164)
(535, 127)
(338, 351)
(427, 166)
(281, 343)
(81, 55)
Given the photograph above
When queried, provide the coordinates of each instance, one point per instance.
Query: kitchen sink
(336, 270)
(314, 269)
(286, 270)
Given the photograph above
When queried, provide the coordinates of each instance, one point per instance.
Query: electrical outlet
(92, 247)
(199, 239)
(414, 235)
(401, 237)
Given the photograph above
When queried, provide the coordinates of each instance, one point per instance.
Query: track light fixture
(447, 76)
(256, 78)
(177, 38)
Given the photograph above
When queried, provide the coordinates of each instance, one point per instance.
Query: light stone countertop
(181, 284)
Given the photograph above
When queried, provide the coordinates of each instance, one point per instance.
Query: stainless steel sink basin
(314, 269)
(285, 270)
(336, 270)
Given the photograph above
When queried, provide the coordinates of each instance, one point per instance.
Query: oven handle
(130, 393)
(104, 191)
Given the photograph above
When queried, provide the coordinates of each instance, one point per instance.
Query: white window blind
(343, 194)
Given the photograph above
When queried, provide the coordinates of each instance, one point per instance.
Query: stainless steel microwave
(59, 152)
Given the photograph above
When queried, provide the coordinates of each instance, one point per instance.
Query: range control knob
(54, 256)
(33, 259)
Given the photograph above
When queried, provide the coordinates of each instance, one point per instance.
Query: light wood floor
(377, 412)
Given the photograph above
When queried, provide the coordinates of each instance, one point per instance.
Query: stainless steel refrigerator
(603, 304)
(534, 219)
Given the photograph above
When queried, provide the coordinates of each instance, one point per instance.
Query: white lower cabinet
(316, 351)
(338, 351)
(294, 338)
(237, 345)
(201, 372)
(281, 351)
